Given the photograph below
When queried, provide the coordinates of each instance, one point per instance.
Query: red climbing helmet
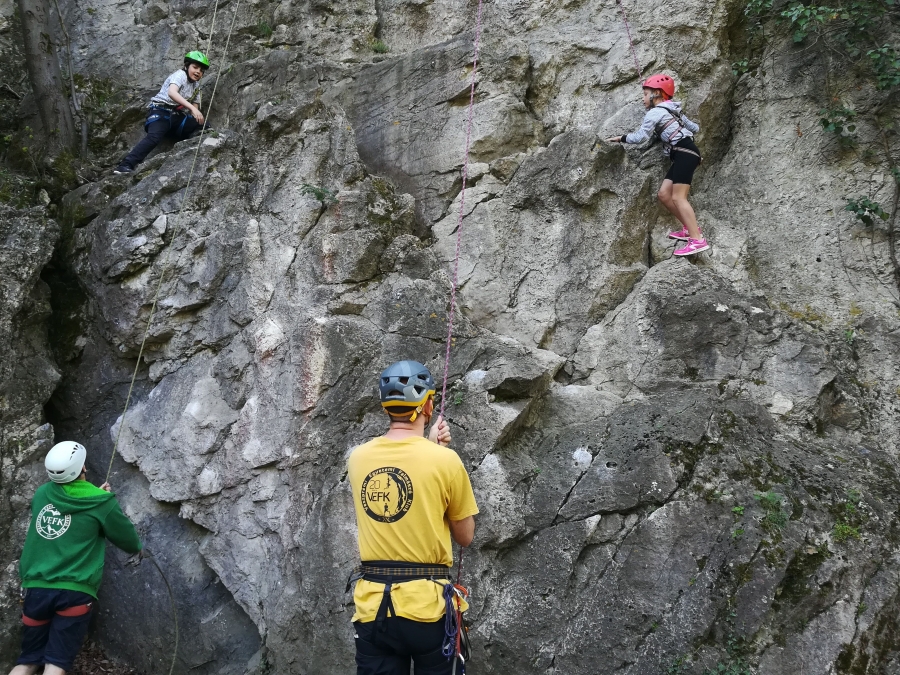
(663, 82)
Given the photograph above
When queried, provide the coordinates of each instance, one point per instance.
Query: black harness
(390, 572)
(663, 124)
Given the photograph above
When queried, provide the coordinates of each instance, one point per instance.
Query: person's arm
(642, 133)
(693, 127)
(463, 531)
(120, 531)
(174, 94)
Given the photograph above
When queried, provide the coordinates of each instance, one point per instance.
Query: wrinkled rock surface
(665, 451)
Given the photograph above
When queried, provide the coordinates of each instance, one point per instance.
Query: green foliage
(866, 210)
(738, 510)
(839, 121)
(775, 517)
(738, 533)
(458, 398)
(851, 23)
(886, 65)
(850, 336)
(678, 666)
(758, 8)
(324, 195)
(379, 47)
(263, 30)
(843, 532)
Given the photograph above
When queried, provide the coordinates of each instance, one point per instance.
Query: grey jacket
(673, 133)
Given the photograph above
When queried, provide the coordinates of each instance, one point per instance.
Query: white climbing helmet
(65, 461)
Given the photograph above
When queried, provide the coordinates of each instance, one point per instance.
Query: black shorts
(58, 640)
(683, 163)
(388, 651)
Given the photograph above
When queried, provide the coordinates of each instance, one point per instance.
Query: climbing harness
(389, 572)
(663, 124)
(77, 610)
(637, 64)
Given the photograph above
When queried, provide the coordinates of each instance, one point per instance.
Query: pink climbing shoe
(682, 234)
(693, 246)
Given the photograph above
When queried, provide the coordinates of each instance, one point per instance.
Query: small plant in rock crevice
(775, 518)
(866, 210)
(839, 121)
(324, 195)
(380, 47)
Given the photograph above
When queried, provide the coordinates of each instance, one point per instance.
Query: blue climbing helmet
(405, 386)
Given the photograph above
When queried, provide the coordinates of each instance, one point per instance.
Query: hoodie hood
(672, 105)
(75, 497)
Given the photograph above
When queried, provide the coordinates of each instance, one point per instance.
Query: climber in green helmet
(172, 111)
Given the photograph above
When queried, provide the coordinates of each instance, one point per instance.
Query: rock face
(28, 377)
(682, 466)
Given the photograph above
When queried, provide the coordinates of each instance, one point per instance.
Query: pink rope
(459, 221)
(637, 63)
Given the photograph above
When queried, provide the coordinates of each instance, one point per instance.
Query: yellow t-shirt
(405, 493)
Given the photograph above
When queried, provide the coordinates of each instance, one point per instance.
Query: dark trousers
(58, 640)
(177, 126)
(389, 651)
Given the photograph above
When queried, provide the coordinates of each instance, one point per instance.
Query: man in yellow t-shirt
(411, 495)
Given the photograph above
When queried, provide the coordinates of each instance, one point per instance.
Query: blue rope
(451, 623)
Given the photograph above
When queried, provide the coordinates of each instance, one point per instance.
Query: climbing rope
(462, 203)
(456, 626)
(177, 230)
(159, 286)
(637, 64)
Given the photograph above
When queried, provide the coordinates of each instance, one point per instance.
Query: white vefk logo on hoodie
(51, 524)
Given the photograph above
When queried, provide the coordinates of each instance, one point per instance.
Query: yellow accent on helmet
(406, 404)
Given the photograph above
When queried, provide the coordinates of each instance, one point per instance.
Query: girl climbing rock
(171, 112)
(665, 121)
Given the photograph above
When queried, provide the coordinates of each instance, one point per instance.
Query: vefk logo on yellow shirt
(387, 494)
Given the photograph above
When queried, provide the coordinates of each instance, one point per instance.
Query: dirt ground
(92, 661)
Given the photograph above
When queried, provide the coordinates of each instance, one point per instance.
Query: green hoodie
(66, 541)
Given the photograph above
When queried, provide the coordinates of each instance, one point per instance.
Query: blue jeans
(174, 125)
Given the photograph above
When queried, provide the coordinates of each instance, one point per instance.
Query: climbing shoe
(123, 169)
(681, 234)
(693, 246)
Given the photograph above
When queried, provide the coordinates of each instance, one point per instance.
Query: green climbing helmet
(196, 57)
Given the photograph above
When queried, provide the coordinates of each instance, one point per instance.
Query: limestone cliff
(681, 464)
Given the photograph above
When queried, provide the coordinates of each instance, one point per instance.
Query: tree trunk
(45, 75)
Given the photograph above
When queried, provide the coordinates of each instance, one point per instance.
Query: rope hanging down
(637, 64)
(451, 312)
(462, 203)
(177, 229)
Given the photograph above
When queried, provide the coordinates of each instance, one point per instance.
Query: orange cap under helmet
(662, 82)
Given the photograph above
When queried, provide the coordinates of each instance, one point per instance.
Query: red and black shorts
(55, 624)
